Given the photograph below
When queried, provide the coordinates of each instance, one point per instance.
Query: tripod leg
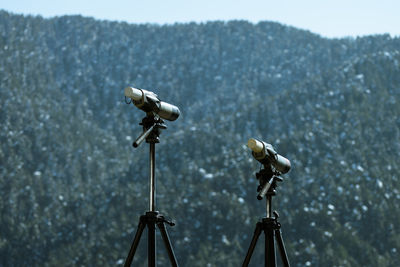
(270, 260)
(282, 249)
(167, 244)
(135, 243)
(151, 245)
(253, 244)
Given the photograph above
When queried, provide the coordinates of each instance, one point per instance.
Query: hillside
(73, 188)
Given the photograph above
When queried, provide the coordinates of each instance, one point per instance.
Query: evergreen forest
(72, 187)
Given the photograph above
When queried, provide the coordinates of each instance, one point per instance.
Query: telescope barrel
(255, 145)
(282, 164)
(135, 94)
(168, 111)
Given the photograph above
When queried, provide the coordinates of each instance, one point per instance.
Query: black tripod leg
(135, 243)
(167, 244)
(270, 260)
(282, 249)
(253, 244)
(151, 245)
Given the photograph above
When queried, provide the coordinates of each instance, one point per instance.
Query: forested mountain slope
(73, 188)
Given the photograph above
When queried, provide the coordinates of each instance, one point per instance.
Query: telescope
(150, 103)
(266, 154)
(268, 177)
(156, 110)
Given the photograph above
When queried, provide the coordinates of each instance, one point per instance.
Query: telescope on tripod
(152, 124)
(274, 166)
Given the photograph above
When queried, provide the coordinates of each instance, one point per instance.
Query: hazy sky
(331, 18)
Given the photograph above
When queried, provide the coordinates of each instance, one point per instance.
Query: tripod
(152, 126)
(270, 225)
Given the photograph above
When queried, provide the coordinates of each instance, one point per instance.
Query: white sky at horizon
(328, 18)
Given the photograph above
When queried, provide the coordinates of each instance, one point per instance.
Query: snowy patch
(225, 240)
(328, 234)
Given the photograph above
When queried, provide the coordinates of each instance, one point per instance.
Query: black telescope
(150, 103)
(266, 154)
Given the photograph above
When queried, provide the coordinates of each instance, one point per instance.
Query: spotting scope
(150, 103)
(266, 154)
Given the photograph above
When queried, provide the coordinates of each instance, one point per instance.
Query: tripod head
(268, 182)
(152, 126)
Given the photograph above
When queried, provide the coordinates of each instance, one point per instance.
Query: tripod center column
(269, 206)
(152, 176)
